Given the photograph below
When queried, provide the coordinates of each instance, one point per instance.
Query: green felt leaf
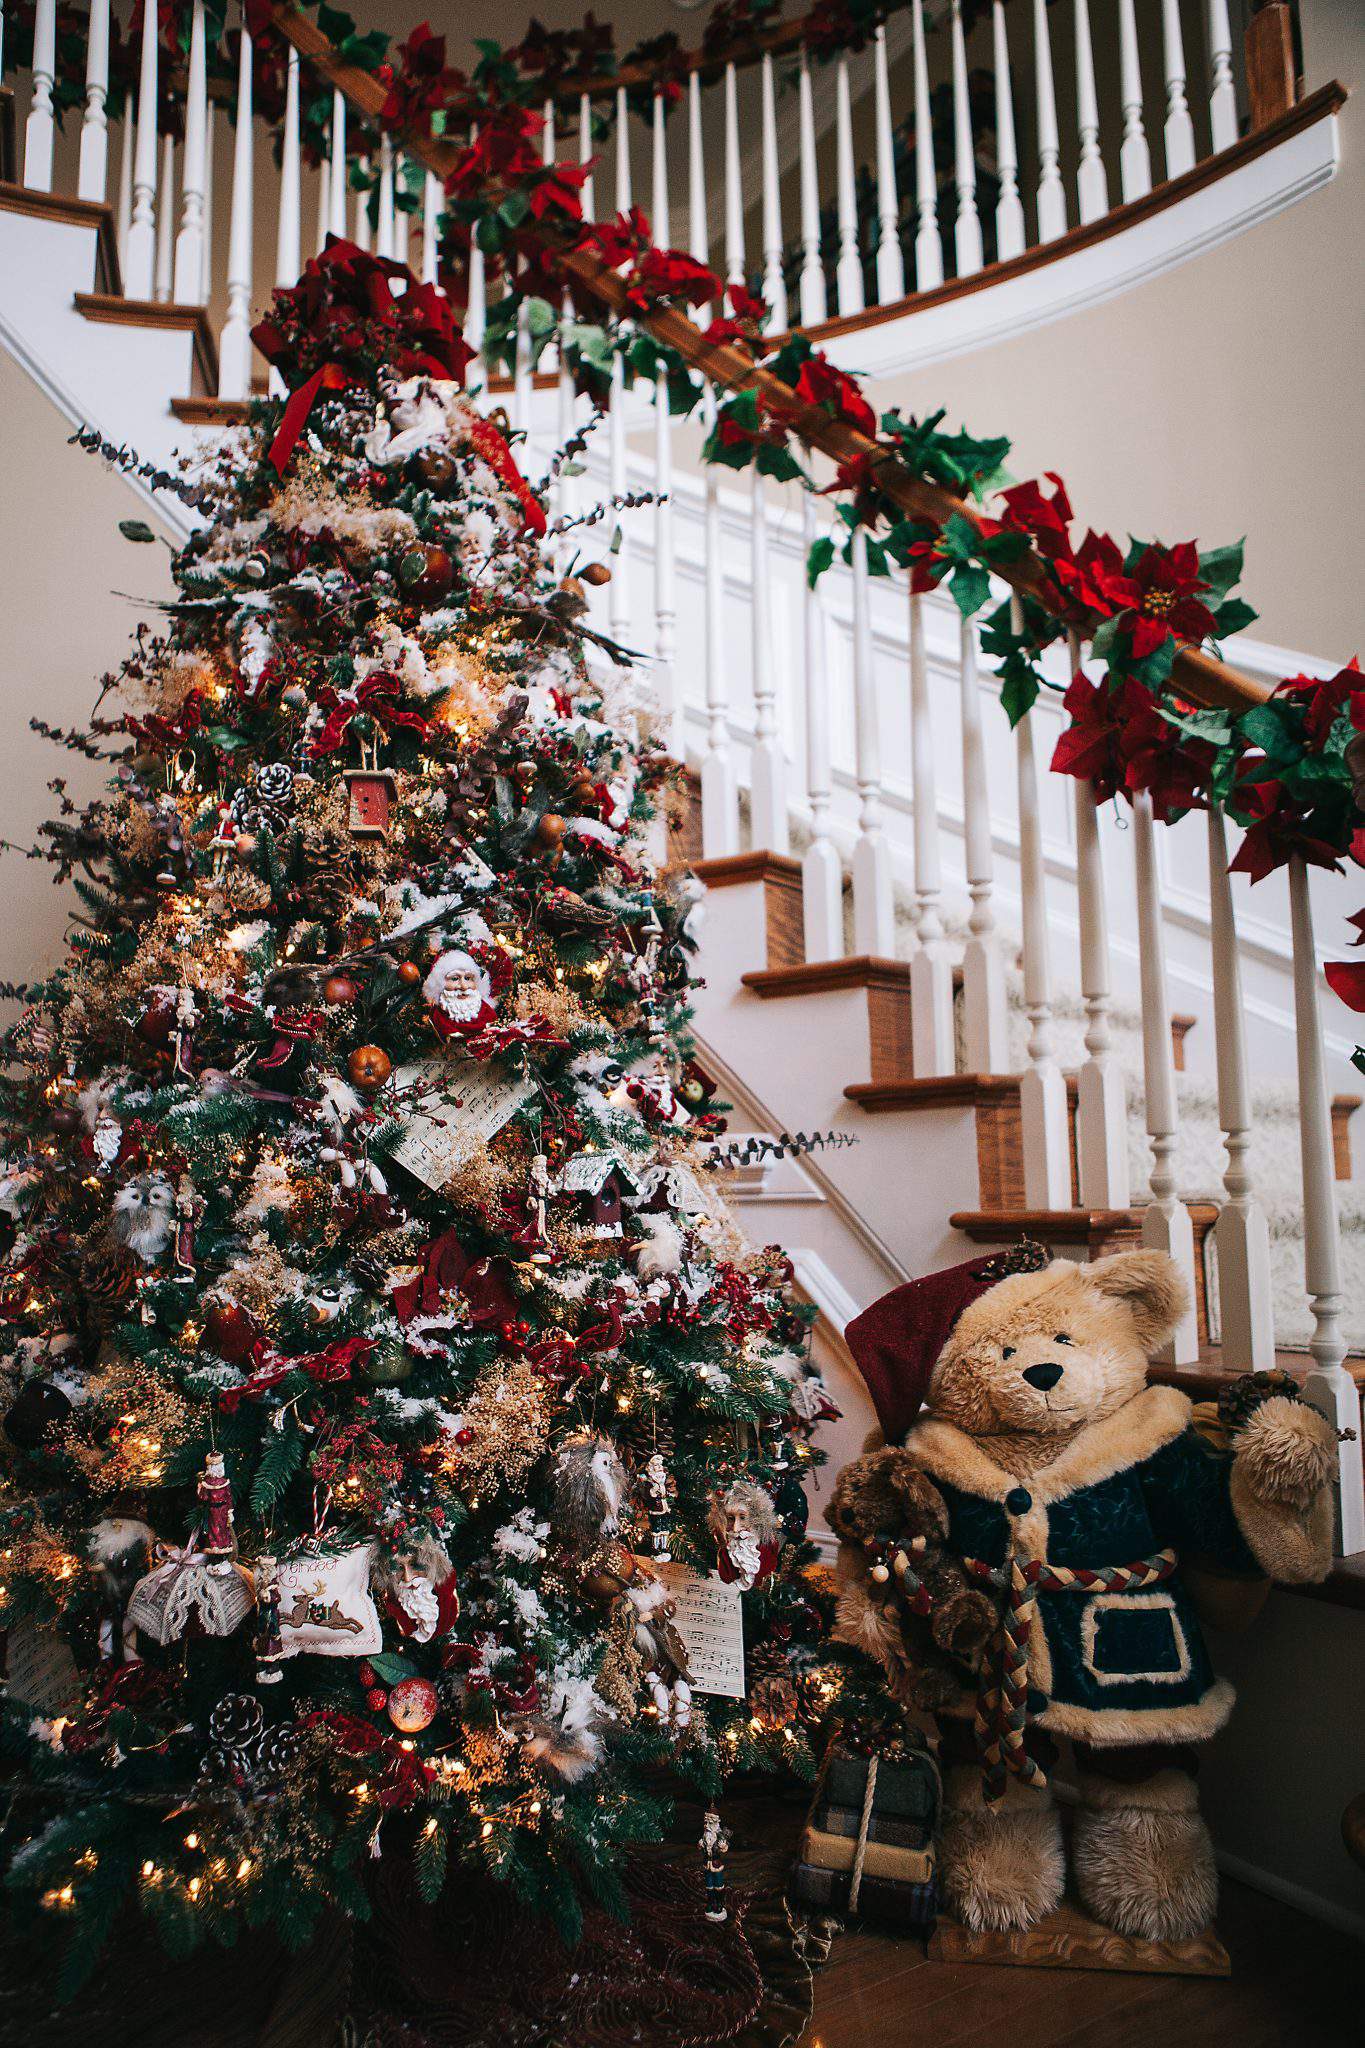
(819, 559)
(971, 587)
(1018, 693)
(1220, 568)
(135, 529)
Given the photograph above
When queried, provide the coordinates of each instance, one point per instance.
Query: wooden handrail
(1196, 676)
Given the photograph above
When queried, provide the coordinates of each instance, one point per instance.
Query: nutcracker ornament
(269, 1640)
(188, 1208)
(219, 1542)
(715, 1846)
(656, 1507)
(537, 1198)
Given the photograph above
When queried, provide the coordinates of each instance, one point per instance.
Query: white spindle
(1166, 1221)
(985, 1028)
(1329, 1386)
(234, 348)
(139, 267)
(1246, 1322)
(890, 261)
(874, 915)
(289, 226)
(124, 210)
(523, 371)
(665, 590)
(967, 226)
(1135, 159)
(336, 189)
(210, 140)
(931, 968)
(928, 246)
(189, 242)
(1222, 90)
(589, 185)
(476, 319)
(1179, 128)
(432, 202)
(93, 173)
(1051, 192)
(719, 786)
(1101, 1110)
(165, 222)
(40, 128)
(848, 271)
(618, 590)
(386, 236)
(1009, 208)
(324, 212)
(734, 184)
(1092, 186)
(767, 765)
(698, 234)
(360, 233)
(814, 306)
(822, 881)
(1042, 1089)
(774, 284)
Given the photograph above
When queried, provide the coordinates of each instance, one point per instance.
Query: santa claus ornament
(459, 996)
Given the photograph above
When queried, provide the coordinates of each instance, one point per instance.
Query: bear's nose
(1042, 1376)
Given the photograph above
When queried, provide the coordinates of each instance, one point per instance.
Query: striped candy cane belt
(1002, 1714)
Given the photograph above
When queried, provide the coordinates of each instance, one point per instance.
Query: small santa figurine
(459, 996)
(219, 1540)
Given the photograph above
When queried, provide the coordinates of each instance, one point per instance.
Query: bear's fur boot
(1142, 1856)
(1000, 1866)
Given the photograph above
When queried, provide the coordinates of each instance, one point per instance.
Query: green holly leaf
(135, 529)
(1233, 616)
(1220, 568)
(819, 559)
(1018, 692)
(971, 587)
(514, 209)
(489, 233)
(389, 1666)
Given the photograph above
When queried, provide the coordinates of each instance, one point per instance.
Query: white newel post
(734, 184)
(767, 764)
(165, 222)
(719, 783)
(1166, 1222)
(1241, 1235)
(931, 967)
(289, 226)
(92, 176)
(665, 589)
(928, 246)
(874, 916)
(1135, 159)
(1328, 1386)
(1009, 207)
(890, 262)
(814, 306)
(1042, 1089)
(985, 1028)
(234, 347)
(336, 184)
(848, 271)
(40, 128)
(822, 881)
(1051, 191)
(1179, 128)
(139, 264)
(189, 242)
(1101, 1109)
(967, 226)
(774, 284)
(1222, 90)
(1092, 186)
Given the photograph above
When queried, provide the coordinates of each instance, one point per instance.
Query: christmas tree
(383, 1376)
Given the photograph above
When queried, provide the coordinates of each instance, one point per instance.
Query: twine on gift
(855, 1883)
(1002, 1714)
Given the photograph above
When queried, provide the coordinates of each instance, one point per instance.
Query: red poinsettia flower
(668, 274)
(1029, 510)
(618, 241)
(1277, 832)
(1089, 746)
(1160, 593)
(1324, 698)
(835, 392)
(746, 305)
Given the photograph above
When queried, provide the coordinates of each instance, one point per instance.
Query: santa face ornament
(458, 995)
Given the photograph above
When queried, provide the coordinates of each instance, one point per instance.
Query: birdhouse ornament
(370, 792)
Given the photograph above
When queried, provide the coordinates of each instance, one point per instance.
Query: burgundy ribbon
(329, 378)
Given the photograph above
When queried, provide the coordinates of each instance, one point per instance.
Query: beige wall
(63, 562)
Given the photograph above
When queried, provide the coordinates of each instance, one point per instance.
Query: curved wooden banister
(1199, 677)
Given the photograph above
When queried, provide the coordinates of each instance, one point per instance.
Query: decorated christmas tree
(387, 1394)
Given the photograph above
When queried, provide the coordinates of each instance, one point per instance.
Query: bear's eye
(1061, 1338)
(1008, 1351)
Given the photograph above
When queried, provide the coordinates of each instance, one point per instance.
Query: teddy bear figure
(1076, 1489)
(904, 1597)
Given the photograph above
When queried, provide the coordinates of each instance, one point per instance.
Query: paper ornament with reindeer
(325, 1605)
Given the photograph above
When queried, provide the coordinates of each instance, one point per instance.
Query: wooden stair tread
(732, 869)
(1052, 1226)
(76, 213)
(817, 977)
(211, 412)
(934, 1091)
(112, 310)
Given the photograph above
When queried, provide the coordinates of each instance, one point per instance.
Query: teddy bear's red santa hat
(896, 1343)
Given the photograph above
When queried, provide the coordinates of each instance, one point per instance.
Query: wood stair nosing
(1100, 1231)
(779, 877)
(211, 412)
(111, 310)
(76, 213)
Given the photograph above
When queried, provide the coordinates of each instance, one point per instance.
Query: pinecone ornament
(108, 1275)
(276, 1752)
(236, 1721)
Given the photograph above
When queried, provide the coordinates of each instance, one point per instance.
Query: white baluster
(698, 233)
(432, 202)
(124, 210)
(1051, 192)
(890, 261)
(774, 284)
(210, 139)
(1328, 1386)
(624, 193)
(1241, 1235)
(40, 128)
(93, 174)
(289, 226)
(734, 184)
(324, 213)
(928, 246)
(360, 233)
(874, 916)
(1101, 1110)
(386, 238)
(1135, 159)
(165, 222)
(719, 786)
(1092, 186)
(767, 763)
(589, 185)
(814, 306)
(618, 590)
(967, 227)
(983, 970)
(1042, 1089)
(336, 190)
(476, 320)
(1009, 208)
(665, 592)
(189, 243)
(1179, 128)
(822, 881)
(659, 221)
(1166, 1222)
(234, 348)
(140, 263)
(931, 968)
(523, 372)
(848, 271)
(1222, 90)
